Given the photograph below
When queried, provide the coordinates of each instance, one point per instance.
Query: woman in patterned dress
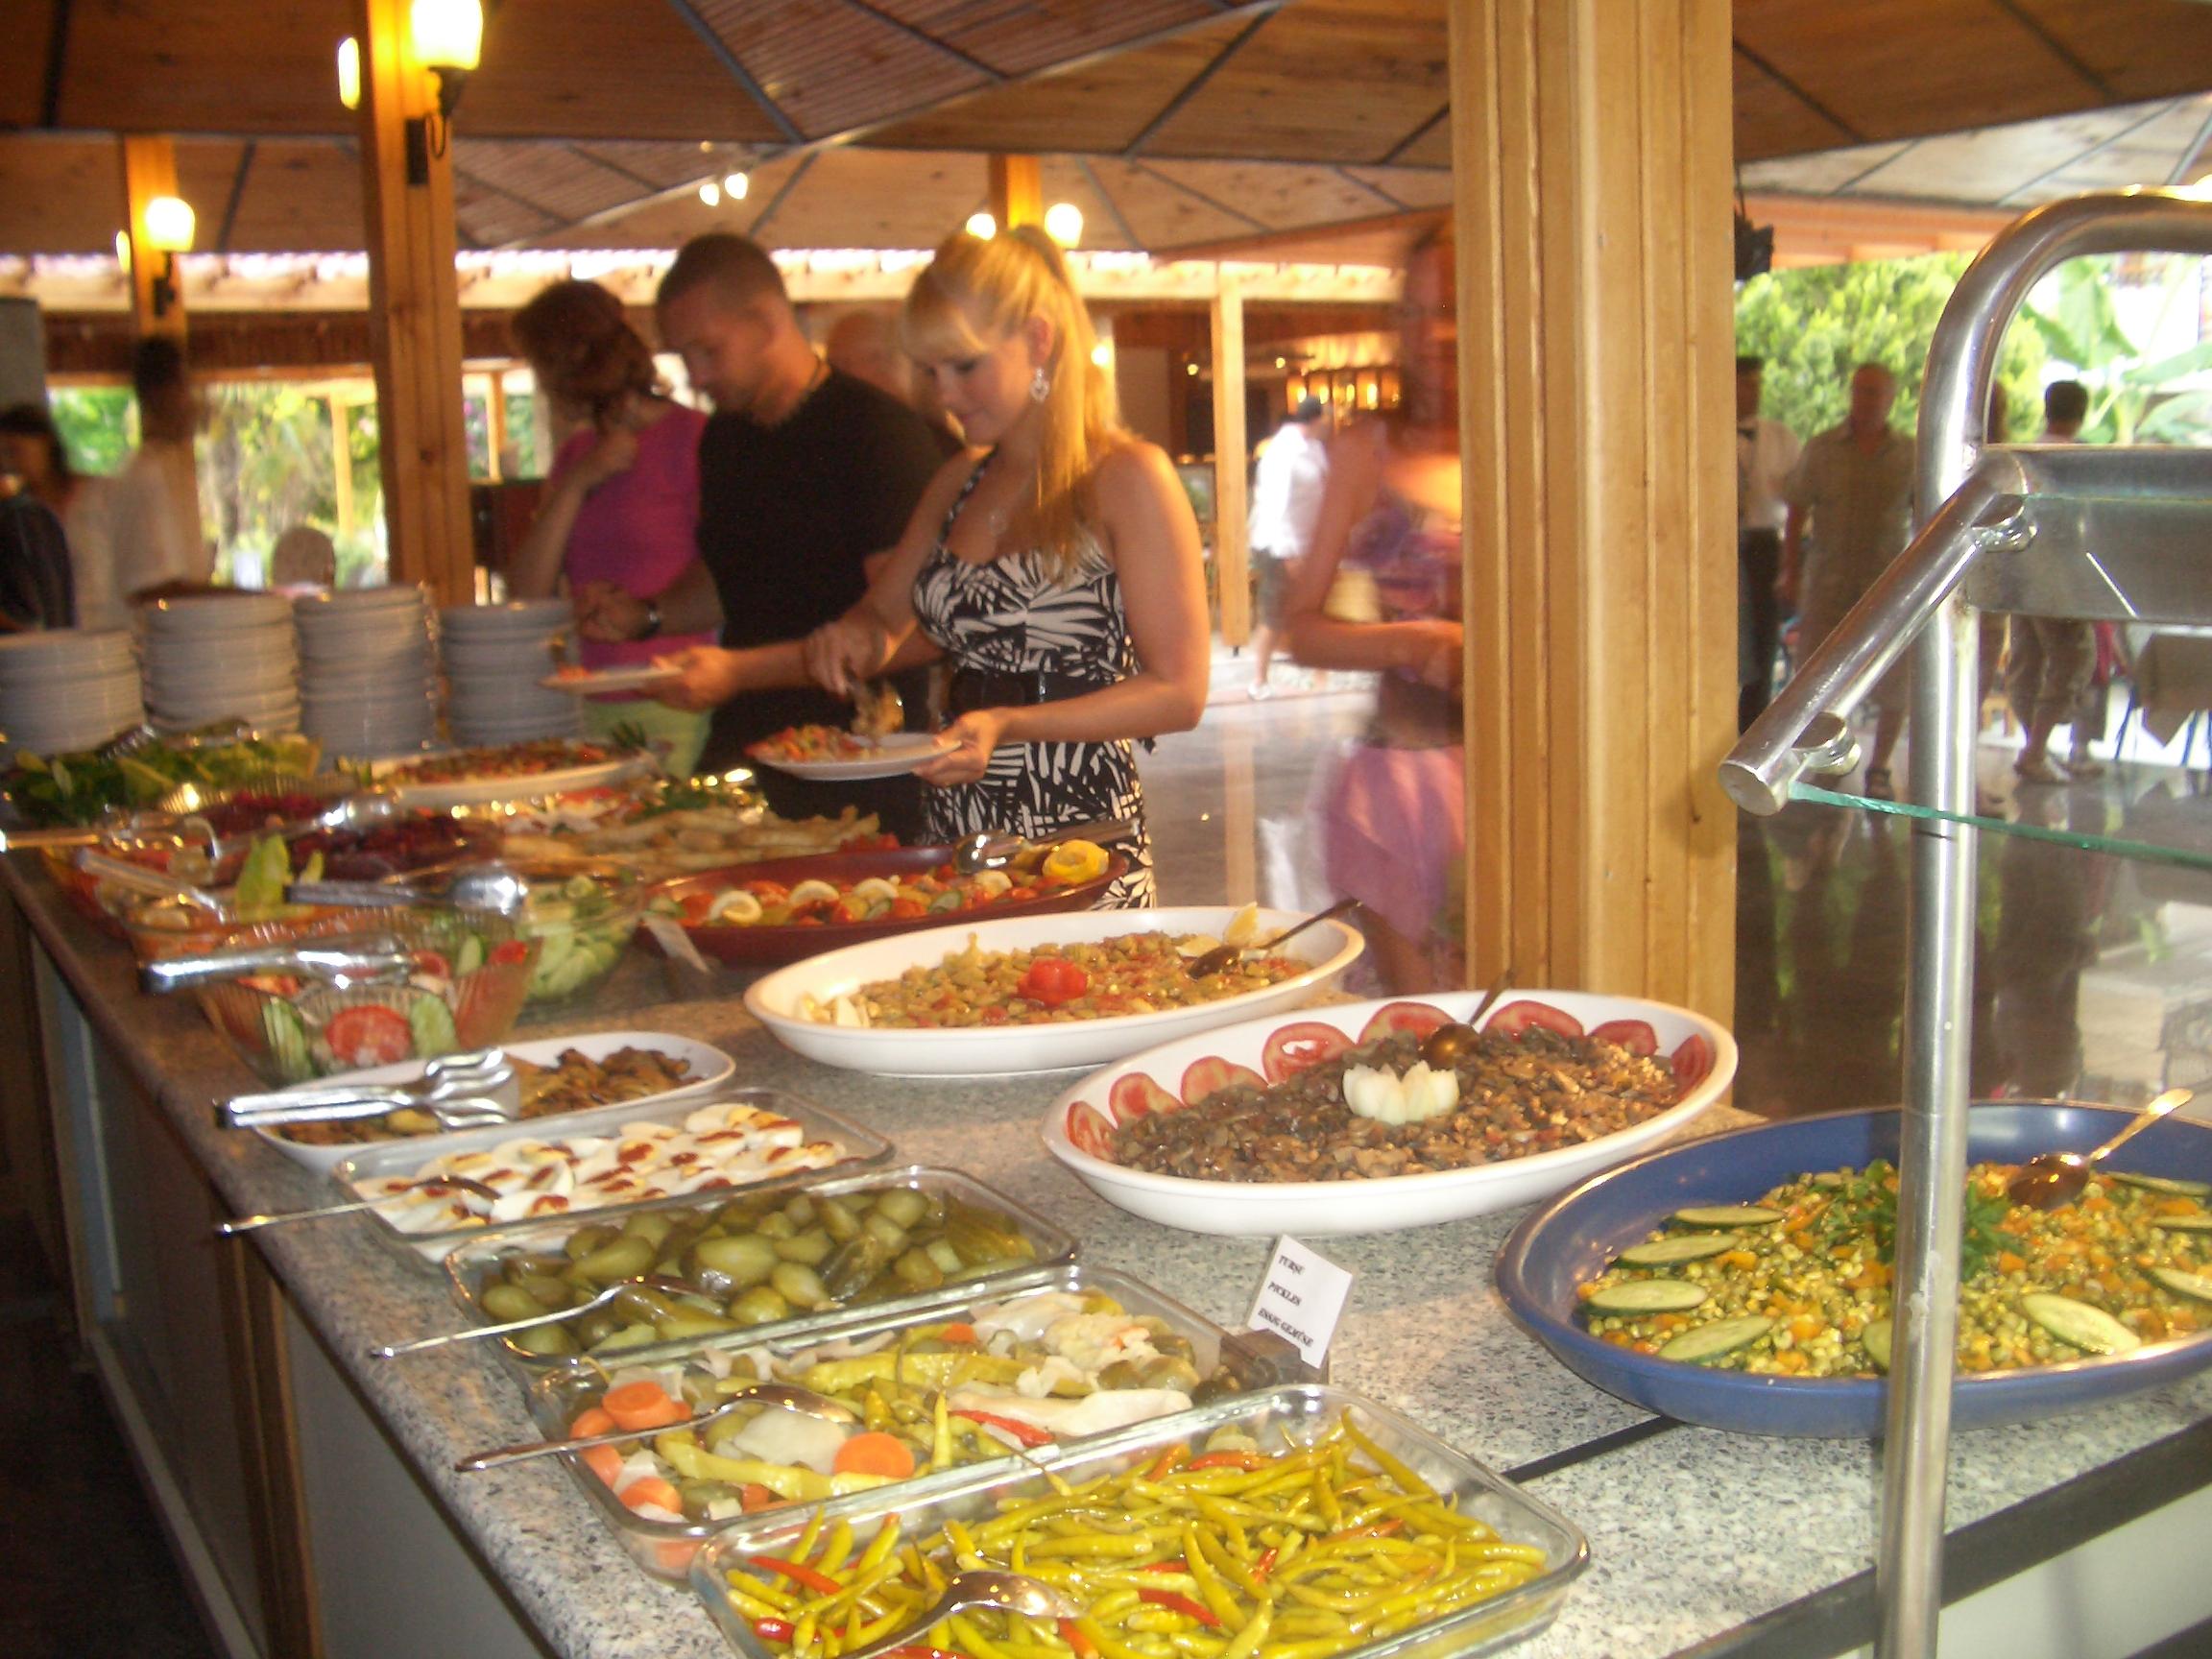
(1055, 564)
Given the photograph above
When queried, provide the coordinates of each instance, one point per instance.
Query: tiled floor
(2095, 978)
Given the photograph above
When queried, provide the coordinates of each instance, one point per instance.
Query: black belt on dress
(974, 688)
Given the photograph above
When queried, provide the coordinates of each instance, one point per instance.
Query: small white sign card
(1302, 1296)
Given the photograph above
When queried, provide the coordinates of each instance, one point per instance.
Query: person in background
(1058, 569)
(865, 345)
(1850, 514)
(1765, 453)
(1379, 592)
(621, 505)
(33, 453)
(1286, 501)
(34, 583)
(2051, 660)
(303, 558)
(803, 472)
(157, 535)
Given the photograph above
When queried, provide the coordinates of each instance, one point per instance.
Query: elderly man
(804, 474)
(1766, 451)
(1850, 514)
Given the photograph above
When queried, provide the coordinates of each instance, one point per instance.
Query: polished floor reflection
(2093, 971)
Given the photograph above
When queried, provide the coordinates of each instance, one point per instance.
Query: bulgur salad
(1797, 1282)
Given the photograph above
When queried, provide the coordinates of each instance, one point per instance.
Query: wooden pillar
(1017, 191)
(414, 316)
(1591, 149)
(1231, 564)
(150, 170)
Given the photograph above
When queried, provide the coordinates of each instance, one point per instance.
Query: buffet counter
(308, 1492)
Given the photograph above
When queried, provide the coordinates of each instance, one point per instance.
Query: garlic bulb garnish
(1381, 1093)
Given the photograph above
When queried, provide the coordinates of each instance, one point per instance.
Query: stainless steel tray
(467, 1265)
(1279, 1418)
(863, 1147)
(666, 1547)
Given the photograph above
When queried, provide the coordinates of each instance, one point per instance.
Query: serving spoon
(980, 1587)
(1222, 955)
(785, 1394)
(253, 1223)
(983, 850)
(2050, 1179)
(551, 1317)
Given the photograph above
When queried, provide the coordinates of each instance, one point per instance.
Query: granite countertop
(1692, 1531)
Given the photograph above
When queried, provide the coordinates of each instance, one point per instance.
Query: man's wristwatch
(651, 619)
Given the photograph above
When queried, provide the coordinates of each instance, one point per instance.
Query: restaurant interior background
(1247, 173)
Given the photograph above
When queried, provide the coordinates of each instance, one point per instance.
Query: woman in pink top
(621, 502)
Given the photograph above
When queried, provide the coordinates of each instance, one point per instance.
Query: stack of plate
(219, 657)
(63, 692)
(368, 675)
(494, 656)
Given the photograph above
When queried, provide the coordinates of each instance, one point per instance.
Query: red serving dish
(761, 945)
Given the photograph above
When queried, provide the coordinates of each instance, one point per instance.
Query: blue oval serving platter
(1574, 1236)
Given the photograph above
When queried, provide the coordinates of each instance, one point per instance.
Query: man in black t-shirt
(804, 474)
(35, 590)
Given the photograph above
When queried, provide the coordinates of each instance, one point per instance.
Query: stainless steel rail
(1992, 501)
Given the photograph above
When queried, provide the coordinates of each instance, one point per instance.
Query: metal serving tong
(479, 1086)
(785, 1394)
(369, 959)
(488, 887)
(984, 851)
(138, 878)
(552, 1316)
(253, 1223)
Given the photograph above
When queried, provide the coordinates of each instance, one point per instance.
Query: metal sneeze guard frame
(1986, 500)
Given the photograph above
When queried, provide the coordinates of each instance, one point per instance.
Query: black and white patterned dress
(1014, 617)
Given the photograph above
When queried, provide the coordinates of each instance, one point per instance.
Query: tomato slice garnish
(368, 1036)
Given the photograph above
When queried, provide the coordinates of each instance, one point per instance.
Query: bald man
(865, 345)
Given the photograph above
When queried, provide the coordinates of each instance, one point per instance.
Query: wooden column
(1231, 564)
(414, 317)
(1591, 148)
(1017, 191)
(149, 170)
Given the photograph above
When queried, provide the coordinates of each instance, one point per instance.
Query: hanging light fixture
(1064, 223)
(710, 193)
(170, 222)
(123, 251)
(982, 226)
(735, 187)
(349, 72)
(447, 38)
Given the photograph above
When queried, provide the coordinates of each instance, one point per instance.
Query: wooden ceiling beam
(2059, 50)
(923, 36)
(1392, 155)
(1197, 195)
(2097, 149)
(1192, 88)
(1801, 94)
(2194, 154)
(56, 65)
(782, 195)
(1112, 208)
(230, 223)
(734, 68)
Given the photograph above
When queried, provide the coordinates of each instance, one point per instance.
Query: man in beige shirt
(1850, 514)
(155, 534)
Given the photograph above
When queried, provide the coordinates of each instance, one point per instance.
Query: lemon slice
(1075, 862)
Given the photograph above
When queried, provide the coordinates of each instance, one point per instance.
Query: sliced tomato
(1053, 980)
(1692, 1062)
(1137, 1095)
(370, 1036)
(1088, 1131)
(1292, 1048)
(433, 962)
(849, 908)
(903, 909)
(1518, 1017)
(1417, 1018)
(509, 952)
(1212, 1074)
(768, 892)
(695, 905)
(1634, 1034)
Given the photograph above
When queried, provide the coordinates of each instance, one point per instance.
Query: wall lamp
(447, 38)
(169, 223)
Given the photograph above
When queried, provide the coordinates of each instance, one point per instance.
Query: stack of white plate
(217, 657)
(368, 675)
(494, 656)
(63, 692)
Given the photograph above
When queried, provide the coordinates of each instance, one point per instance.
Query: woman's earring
(1040, 385)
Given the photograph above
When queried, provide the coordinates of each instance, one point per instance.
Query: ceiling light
(1190, 368)
(169, 224)
(350, 73)
(1102, 355)
(982, 226)
(123, 250)
(710, 193)
(448, 34)
(735, 186)
(1064, 223)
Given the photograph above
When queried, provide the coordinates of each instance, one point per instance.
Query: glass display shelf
(2131, 847)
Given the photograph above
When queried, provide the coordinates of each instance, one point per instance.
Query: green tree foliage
(97, 423)
(1814, 324)
(2133, 397)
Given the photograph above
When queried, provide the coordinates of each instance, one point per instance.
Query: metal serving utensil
(1443, 1047)
(377, 959)
(495, 887)
(2050, 1179)
(552, 1316)
(253, 1223)
(481, 1073)
(983, 850)
(980, 1587)
(140, 880)
(785, 1394)
(877, 709)
(1222, 955)
(461, 1112)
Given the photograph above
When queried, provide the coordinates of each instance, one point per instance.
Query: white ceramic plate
(900, 751)
(630, 679)
(710, 1069)
(1079, 1126)
(997, 1050)
(474, 791)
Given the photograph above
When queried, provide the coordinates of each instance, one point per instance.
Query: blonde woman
(1055, 564)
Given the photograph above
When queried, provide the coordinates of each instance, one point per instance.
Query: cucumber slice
(1727, 1215)
(2168, 1184)
(1875, 1339)
(431, 1022)
(1682, 1247)
(468, 957)
(1646, 1296)
(2182, 1283)
(286, 1034)
(2089, 1329)
(2183, 1223)
(1718, 1340)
